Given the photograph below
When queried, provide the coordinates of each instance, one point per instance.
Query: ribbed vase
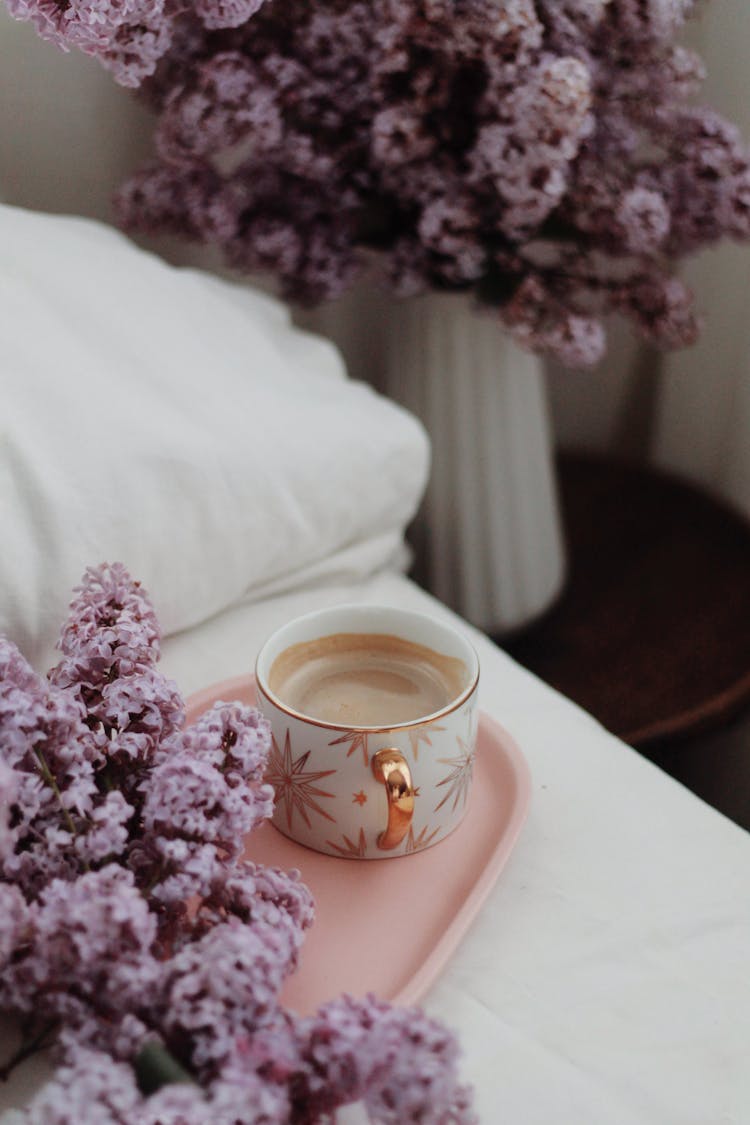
(488, 536)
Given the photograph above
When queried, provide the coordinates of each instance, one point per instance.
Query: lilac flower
(87, 947)
(234, 738)
(127, 36)
(191, 799)
(401, 1063)
(44, 744)
(201, 800)
(129, 923)
(454, 139)
(256, 893)
(179, 1104)
(226, 13)
(220, 989)
(15, 671)
(34, 718)
(110, 644)
(228, 102)
(130, 716)
(109, 606)
(238, 1097)
(51, 855)
(106, 836)
(94, 1088)
(90, 1087)
(663, 309)
(260, 896)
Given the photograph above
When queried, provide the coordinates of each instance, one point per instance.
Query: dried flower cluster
(130, 923)
(545, 155)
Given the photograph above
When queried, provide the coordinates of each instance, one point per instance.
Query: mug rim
(433, 716)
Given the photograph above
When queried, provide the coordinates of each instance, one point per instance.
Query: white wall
(68, 134)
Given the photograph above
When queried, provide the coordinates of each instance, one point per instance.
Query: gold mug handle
(390, 767)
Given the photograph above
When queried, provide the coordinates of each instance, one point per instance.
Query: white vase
(488, 535)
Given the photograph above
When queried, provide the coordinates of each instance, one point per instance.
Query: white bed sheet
(606, 979)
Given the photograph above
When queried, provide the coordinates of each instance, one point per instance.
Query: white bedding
(606, 979)
(181, 425)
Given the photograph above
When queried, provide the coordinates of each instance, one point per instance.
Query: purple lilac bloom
(49, 767)
(219, 990)
(128, 37)
(129, 920)
(231, 737)
(86, 947)
(398, 1061)
(547, 156)
(201, 799)
(34, 717)
(542, 154)
(112, 610)
(92, 1087)
(110, 644)
(131, 716)
(193, 816)
(256, 893)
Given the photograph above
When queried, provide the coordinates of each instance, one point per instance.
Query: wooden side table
(652, 631)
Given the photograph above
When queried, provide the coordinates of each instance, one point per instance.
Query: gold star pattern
(357, 740)
(350, 849)
(295, 788)
(359, 798)
(422, 734)
(417, 843)
(459, 778)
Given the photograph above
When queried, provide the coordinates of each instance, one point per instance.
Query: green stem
(49, 777)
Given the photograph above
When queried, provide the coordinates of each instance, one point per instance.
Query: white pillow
(179, 424)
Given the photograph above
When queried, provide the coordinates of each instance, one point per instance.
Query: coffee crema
(366, 679)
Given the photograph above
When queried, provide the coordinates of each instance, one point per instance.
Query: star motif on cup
(295, 787)
(351, 849)
(418, 843)
(422, 734)
(459, 778)
(359, 798)
(357, 740)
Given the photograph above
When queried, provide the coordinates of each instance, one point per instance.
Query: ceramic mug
(371, 792)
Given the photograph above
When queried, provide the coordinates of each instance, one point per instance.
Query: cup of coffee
(373, 713)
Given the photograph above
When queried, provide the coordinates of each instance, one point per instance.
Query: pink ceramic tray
(389, 926)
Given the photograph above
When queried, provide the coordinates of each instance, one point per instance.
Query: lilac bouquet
(133, 936)
(545, 155)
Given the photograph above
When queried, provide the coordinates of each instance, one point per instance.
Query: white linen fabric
(605, 980)
(180, 424)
